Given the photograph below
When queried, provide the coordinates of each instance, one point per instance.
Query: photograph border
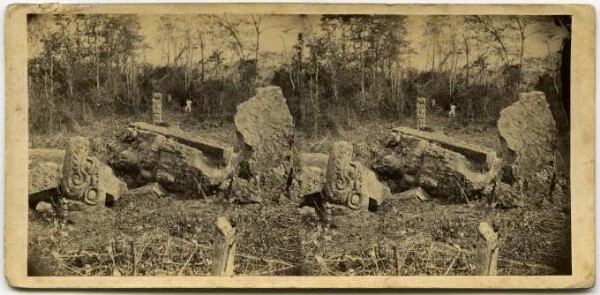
(582, 140)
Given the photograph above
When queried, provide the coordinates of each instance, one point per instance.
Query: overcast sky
(279, 33)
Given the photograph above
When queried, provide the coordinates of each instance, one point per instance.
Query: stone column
(156, 108)
(421, 113)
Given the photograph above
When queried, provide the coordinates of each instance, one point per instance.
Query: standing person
(421, 113)
(188, 106)
(452, 114)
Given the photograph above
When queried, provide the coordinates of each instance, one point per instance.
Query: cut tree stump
(224, 248)
(487, 254)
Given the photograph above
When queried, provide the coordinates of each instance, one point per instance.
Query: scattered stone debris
(242, 191)
(308, 175)
(178, 160)
(508, 196)
(158, 159)
(154, 189)
(416, 193)
(443, 166)
(44, 207)
(45, 169)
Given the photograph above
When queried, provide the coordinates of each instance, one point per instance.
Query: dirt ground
(167, 236)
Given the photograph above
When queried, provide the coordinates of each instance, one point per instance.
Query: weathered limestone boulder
(265, 130)
(529, 135)
(308, 175)
(443, 166)
(178, 160)
(243, 191)
(45, 169)
(349, 186)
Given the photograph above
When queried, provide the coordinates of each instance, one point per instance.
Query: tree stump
(487, 253)
(224, 248)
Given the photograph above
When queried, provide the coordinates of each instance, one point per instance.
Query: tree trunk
(256, 49)
(467, 66)
(521, 52)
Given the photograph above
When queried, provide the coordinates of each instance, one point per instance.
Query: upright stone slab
(265, 130)
(421, 113)
(156, 108)
(529, 132)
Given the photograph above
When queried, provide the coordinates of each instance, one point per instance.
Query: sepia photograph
(321, 144)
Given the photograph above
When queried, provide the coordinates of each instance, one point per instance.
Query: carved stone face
(79, 185)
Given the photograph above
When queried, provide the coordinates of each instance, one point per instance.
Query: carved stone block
(178, 160)
(349, 185)
(86, 182)
(443, 166)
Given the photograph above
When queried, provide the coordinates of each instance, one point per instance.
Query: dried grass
(150, 236)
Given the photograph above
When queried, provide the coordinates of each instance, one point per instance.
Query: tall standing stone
(529, 132)
(265, 130)
(156, 108)
(421, 113)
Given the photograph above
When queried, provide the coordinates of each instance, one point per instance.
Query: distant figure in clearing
(452, 113)
(188, 106)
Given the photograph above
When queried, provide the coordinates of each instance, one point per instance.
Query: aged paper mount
(582, 160)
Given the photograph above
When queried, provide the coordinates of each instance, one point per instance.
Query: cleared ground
(171, 236)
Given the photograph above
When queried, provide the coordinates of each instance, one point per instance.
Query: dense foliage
(345, 69)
